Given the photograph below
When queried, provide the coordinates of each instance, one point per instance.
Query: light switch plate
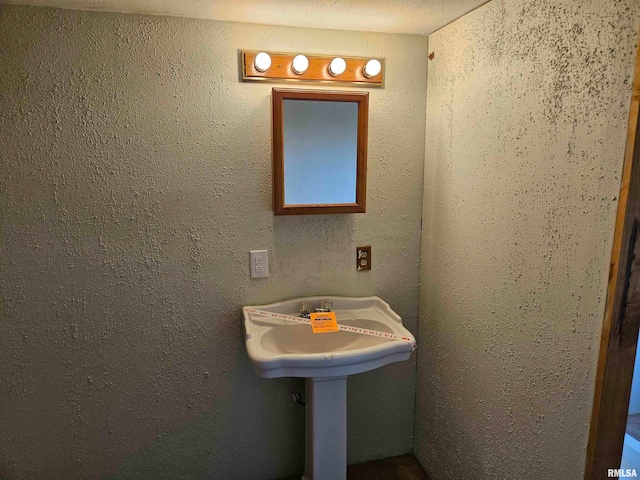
(259, 263)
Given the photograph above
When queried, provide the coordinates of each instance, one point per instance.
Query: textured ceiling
(390, 16)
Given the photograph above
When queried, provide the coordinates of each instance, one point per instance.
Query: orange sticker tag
(324, 322)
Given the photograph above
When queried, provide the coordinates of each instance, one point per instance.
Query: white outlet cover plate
(259, 263)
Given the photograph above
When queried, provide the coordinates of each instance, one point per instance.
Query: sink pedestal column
(326, 429)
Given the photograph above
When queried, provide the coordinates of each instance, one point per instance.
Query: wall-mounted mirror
(319, 151)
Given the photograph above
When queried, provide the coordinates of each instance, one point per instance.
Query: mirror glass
(319, 151)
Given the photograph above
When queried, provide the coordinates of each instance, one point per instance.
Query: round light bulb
(372, 68)
(300, 64)
(262, 62)
(337, 66)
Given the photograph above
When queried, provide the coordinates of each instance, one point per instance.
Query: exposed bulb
(372, 68)
(300, 64)
(262, 62)
(337, 66)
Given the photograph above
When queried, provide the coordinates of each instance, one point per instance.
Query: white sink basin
(284, 348)
(281, 344)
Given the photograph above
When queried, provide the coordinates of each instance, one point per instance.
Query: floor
(633, 425)
(405, 467)
(631, 447)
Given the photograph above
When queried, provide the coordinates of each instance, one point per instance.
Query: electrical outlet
(259, 263)
(363, 258)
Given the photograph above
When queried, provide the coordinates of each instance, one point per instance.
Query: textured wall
(527, 106)
(136, 177)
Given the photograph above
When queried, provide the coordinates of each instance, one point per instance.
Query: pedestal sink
(279, 345)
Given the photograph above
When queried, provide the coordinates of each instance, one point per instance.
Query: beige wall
(527, 110)
(136, 177)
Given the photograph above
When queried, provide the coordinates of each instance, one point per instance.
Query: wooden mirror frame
(278, 97)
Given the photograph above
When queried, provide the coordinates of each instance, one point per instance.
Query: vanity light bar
(286, 67)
